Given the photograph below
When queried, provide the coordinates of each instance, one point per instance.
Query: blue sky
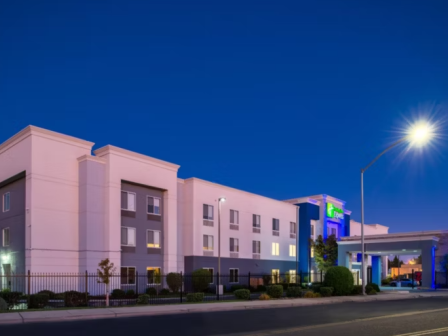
(280, 98)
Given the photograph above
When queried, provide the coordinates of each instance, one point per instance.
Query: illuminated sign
(333, 212)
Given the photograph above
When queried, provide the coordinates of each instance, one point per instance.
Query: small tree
(105, 271)
(325, 252)
(201, 280)
(396, 262)
(174, 281)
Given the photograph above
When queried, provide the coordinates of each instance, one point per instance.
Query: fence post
(181, 286)
(217, 285)
(87, 290)
(412, 278)
(357, 277)
(136, 282)
(248, 284)
(29, 287)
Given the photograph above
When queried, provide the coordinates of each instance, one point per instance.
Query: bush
(3, 304)
(118, 294)
(275, 291)
(233, 288)
(304, 292)
(374, 286)
(201, 280)
(341, 279)
(50, 294)
(293, 292)
(11, 298)
(164, 291)
(371, 292)
(261, 288)
(357, 290)
(316, 288)
(151, 291)
(75, 299)
(309, 295)
(386, 281)
(143, 299)
(174, 281)
(326, 291)
(242, 294)
(264, 297)
(38, 301)
(195, 297)
(130, 292)
(317, 295)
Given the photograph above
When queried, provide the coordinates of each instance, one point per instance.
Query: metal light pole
(220, 200)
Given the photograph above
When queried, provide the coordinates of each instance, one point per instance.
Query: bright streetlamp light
(220, 200)
(417, 135)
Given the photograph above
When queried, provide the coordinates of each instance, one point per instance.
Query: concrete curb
(107, 313)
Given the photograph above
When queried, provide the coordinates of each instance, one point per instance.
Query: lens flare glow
(420, 133)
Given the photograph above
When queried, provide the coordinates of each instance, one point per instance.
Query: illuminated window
(153, 205)
(292, 250)
(208, 243)
(153, 239)
(275, 249)
(312, 252)
(292, 276)
(6, 202)
(275, 276)
(154, 275)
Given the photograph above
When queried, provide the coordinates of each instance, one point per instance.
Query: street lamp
(220, 200)
(417, 135)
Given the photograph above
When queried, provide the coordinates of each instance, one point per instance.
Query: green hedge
(357, 290)
(371, 292)
(316, 288)
(75, 299)
(3, 304)
(242, 294)
(118, 294)
(164, 291)
(303, 293)
(201, 280)
(233, 288)
(11, 298)
(326, 291)
(151, 291)
(38, 301)
(372, 286)
(293, 292)
(195, 297)
(275, 291)
(143, 299)
(341, 279)
(174, 281)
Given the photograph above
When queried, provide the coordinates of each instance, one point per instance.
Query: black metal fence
(89, 290)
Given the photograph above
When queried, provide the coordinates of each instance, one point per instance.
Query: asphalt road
(368, 318)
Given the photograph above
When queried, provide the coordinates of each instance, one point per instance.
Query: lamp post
(416, 135)
(220, 200)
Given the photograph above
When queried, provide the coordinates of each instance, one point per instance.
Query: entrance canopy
(421, 243)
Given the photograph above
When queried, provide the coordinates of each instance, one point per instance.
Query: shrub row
(195, 297)
(275, 291)
(242, 294)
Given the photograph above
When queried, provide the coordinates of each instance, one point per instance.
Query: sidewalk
(101, 313)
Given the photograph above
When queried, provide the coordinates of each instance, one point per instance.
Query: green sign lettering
(333, 212)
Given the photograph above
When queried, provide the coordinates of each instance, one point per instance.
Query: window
(154, 275)
(292, 250)
(234, 277)
(256, 247)
(5, 235)
(211, 274)
(128, 200)
(256, 221)
(127, 275)
(127, 236)
(275, 224)
(275, 249)
(275, 276)
(292, 276)
(153, 205)
(312, 230)
(6, 202)
(234, 245)
(208, 243)
(234, 217)
(312, 252)
(292, 227)
(207, 211)
(153, 239)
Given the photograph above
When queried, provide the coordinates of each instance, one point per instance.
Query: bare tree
(105, 271)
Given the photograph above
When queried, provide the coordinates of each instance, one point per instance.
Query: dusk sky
(280, 98)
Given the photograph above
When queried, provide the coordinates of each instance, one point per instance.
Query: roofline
(302, 200)
(326, 197)
(372, 239)
(352, 220)
(109, 149)
(34, 130)
(195, 179)
(398, 234)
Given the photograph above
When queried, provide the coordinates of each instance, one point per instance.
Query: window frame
(152, 268)
(276, 223)
(7, 229)
(292, 275)
(6, 195)
(208, 241)
(160, 239)
(127, 276)
(237, 245)
(312, 252)
(212, 275)
(312, 229)
(135, 236)
(259, 247)
(254, 221)
(237, 213)
(237, 278)
(135, 200)
(208, 212)
(147, 205)
(292, 225)
(275, 249)
(292, 248)
(275, 276)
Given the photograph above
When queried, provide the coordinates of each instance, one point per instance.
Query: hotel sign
(333, 212)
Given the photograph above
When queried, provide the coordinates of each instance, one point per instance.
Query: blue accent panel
(359, 257)
(347, 226)
(307, 212)
(376, 270)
